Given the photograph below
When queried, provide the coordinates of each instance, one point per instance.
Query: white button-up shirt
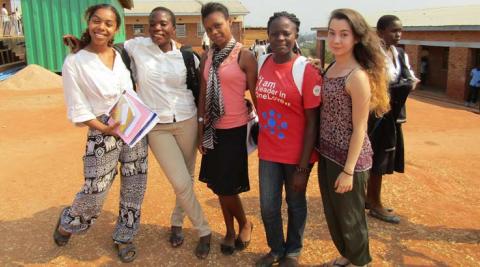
(395, 68)
(161, 78)
(90, 87)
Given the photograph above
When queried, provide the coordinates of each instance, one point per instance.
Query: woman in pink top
(227, 71)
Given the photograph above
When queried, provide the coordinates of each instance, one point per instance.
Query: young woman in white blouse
(161, 76)
(93, 79)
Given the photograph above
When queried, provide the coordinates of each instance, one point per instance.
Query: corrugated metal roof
(183, 7)
(454, 17)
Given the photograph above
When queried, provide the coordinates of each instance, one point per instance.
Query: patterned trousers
(103, 152)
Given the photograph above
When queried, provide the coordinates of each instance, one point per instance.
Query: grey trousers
(102, 154)
(345, 213)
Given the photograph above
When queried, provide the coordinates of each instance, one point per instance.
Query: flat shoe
(240, 244)
(367, 207)
(386, 218)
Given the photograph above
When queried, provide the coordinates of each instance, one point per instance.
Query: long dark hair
(86, 38)
(368, 53)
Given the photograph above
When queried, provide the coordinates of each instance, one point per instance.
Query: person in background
(205, 42)
(386, 132)
(423, 70)
(5, 20)
(474, 86)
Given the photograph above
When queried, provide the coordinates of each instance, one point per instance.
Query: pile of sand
(33, 77)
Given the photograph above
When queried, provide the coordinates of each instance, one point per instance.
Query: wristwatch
(200, 119)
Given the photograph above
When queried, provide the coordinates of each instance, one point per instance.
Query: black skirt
(225, 168)
(386, 162)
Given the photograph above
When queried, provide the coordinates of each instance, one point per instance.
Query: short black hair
(284, 14)
(211, 7)
(173, 19)
(386, 21)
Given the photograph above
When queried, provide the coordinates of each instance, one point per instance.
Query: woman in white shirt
(161, 76)
(93, 80)
(386, 133)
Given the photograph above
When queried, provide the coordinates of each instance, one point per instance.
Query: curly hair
(85, 39)
(368, 53)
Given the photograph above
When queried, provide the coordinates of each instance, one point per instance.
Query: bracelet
(302, 170)
(349, 174)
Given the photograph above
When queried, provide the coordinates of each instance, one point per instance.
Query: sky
(314, 13)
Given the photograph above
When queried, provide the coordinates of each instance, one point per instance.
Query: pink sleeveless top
(233, 85)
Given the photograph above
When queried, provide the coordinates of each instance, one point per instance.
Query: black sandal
(227, 249)
(59, 238)
(203, 248)
(176, 237)
(127, 252)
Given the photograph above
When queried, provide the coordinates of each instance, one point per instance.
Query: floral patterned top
(336, 125)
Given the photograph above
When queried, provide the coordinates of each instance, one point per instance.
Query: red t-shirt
(281, 110)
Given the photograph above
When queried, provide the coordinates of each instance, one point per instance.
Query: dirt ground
(438, 198)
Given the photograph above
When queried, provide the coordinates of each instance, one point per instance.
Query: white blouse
(90, 87)
(161, 78)
(394, 69)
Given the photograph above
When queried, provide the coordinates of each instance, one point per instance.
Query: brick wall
(459, 63)
(413, 52)
(251, 34)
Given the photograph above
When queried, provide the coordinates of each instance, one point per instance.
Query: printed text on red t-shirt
(266, 90)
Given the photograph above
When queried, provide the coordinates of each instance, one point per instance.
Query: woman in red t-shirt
(287, 105)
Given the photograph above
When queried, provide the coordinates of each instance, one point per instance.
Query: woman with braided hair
(227, 70)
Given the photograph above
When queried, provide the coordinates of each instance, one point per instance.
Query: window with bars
(181, 30)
